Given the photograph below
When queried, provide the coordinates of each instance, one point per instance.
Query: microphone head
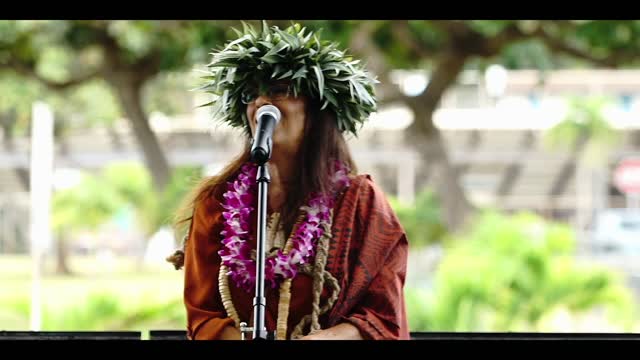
(269, 110)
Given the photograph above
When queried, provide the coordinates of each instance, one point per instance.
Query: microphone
(268, 117)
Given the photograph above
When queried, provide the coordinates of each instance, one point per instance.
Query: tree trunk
(8, 122)
(427, 140)
(128, 92)
(422, 134)
(62, 255)
(456, 208)
(568, 169)
(512, 172)
(116, 141)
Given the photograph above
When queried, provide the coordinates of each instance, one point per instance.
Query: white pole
(40, 188)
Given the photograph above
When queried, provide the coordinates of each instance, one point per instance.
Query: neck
(282, 168)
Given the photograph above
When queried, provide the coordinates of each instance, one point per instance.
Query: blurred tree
(443, 48)
(83, 106)
(84, 206)
(153, 210)
(16, 99)
(125, 54)
(586, 134)
(511, 274)
(421, 220)
(98, 198)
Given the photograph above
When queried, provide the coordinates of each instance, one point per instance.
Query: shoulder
(366, 208)
(365, 198)
(366, 189)
(360, 182)
(208, 205)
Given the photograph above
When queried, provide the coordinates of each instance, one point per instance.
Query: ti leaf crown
(313, 67)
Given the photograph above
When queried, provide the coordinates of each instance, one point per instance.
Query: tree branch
(402, 33)
(29, 70)
(558, 45)
(392, 96)
(362, 43)
(511, 33)
(445, 72)
(451, 28)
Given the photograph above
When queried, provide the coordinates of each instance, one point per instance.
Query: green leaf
(265, 27)
(238, 41)
(300, 73)
(292, 40)
(208, 86)
(238, 32)
(320, 78)
(363, 93)
(272, 59)
(279, 47)
(276, 70)
(287, 74)
(331, 98)
(266, 44)
(231, 75)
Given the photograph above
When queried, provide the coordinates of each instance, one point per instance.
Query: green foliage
(421, 220)
(338, 31)
(85, 106)
(531, 54)
(40, 44)
(157, 210)
(105, 295)
(510, 273)
(489, 27)
(177, 44)
(600, 39)
(169, 93)
(86, 205)
(108, 311)
(82, 107)
(120, 186)
(99, 311)
(62, 50)
(608, 36)
(130, 179)
(17, 96)
(93, 314)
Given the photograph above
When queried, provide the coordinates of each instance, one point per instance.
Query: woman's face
(289, 132)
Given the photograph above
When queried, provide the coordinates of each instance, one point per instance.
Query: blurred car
(617, 231)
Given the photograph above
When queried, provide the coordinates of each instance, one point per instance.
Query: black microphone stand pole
(261, 155)
(259, 301)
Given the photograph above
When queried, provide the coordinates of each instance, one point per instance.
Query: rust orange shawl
(367, 255)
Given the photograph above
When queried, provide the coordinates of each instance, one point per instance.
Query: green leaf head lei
(315, 68)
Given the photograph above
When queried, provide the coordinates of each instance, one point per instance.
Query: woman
(336, 259)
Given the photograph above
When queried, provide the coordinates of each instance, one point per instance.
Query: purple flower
(236, 251)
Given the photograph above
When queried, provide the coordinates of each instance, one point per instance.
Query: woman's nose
(262, 100)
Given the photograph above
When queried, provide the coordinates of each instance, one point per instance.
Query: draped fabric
(367, 255)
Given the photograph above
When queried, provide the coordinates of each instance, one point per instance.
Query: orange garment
(367, 255)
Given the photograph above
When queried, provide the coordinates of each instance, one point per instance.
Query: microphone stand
(263, 178)
(260, 154)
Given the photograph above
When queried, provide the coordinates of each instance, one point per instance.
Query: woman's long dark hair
(322, 143)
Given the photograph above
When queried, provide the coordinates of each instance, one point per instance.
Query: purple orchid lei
(236, 251)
